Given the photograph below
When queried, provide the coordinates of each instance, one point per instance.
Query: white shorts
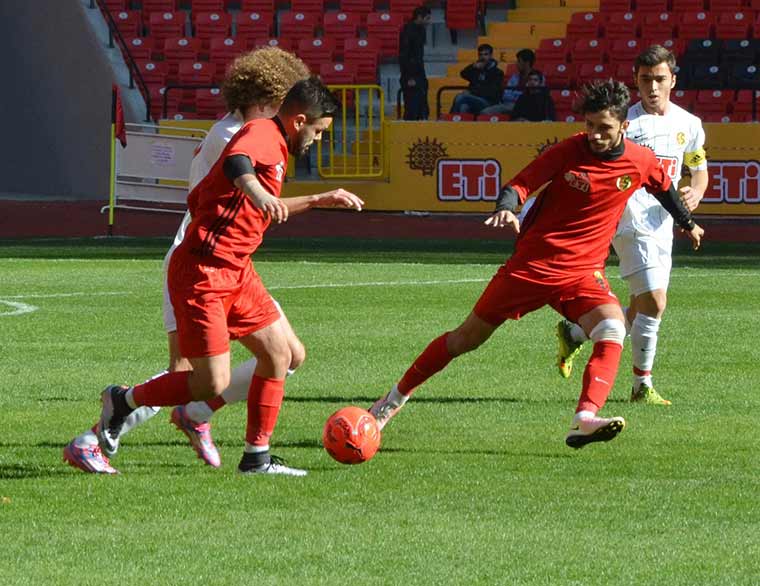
(170, 322)
(648, 280)
(645, 260)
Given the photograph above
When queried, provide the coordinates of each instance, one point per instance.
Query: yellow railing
(353, 146)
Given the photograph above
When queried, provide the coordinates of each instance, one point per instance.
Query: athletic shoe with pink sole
(88, 459)
(586, 430)
(199, 435)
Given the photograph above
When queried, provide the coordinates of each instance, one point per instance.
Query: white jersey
(677, 138)
(209, 151)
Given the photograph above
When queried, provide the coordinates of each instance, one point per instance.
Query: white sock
(644, 347)
(577, 334)
(251, 449)
(240, 382)
(130, 397)
(86, 439)
(395, 398)
(199, 411)
(583, 415)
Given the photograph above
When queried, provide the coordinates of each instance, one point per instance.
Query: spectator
(534, 104)
(411, 59)
(485, 79)
(525, 60)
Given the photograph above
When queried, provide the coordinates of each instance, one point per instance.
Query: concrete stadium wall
(55, 100)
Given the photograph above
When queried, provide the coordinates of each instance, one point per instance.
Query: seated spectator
(534, 104)
(485, 80)
(513, 88)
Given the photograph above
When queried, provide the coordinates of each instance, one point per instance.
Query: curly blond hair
(261, 78)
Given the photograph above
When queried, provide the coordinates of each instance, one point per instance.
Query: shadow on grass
(369, 400)
(28, 471)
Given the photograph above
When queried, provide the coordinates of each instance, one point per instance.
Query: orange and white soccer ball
(351, 435)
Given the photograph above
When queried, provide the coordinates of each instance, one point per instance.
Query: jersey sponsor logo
(624, 182)
(733, 182)
(579, 181)
(669, 165)
(468, 179)
(279, 170)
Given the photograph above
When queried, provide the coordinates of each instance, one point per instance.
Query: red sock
(639, 372)
(216, 403)
(433, 359)
(264, 401)
(168, 389)
(599, 376)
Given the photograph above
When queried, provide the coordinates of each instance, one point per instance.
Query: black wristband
(672, 203)
(508, 199)
(236, 165)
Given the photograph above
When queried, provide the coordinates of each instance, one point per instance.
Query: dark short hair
(654, 55)
(604, 94)
(535, 73)
(526, 55)
(422, 11)
(485, 47)
(311, 98)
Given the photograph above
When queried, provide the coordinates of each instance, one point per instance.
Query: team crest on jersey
(681, 138)
(579, 181)
(624, 182)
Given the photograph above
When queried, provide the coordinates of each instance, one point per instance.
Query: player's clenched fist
(504, 218)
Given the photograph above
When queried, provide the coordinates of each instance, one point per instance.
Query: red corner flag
(117, 115)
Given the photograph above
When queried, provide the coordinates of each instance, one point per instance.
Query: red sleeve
(251, 142)
(653, 176)
(544, 168)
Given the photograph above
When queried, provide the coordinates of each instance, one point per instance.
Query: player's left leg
(648, 302)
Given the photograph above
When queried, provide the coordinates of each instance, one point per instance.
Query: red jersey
(568, 231)
(226, 228)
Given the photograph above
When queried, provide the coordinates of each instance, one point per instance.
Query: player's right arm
(240, 172)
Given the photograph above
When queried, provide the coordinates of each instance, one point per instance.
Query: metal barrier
(354, 146)
(152, 170)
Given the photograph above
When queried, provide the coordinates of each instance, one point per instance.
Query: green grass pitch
(473, 483)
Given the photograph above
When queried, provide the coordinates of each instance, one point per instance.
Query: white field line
(19, 308)
(16, 308)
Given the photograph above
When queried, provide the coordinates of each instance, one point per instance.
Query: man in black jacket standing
(485, 79)
(414, 83)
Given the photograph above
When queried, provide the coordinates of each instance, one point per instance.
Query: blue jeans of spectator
(467, 103)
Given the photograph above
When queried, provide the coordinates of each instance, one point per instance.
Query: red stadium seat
(716, 117)
(315, 7)
(404, 8)
(552, 50)
(734, 25)
(223, 51)
(585, 24)
(462, 14)
(254, 24)
(207, 6)
(684, 98)
(284, 44)
(116, 5)
(212, 24)
(196, 72)
(314, 52)
(157, 102)
(340, 26)
(567, 116)
(362, 7)
(655, 6)
(559, 75)
(177, 49)
(163, 25)
(589, 51)
(151, 6)
(588, 72)
(687, 5)
(265, 6)
(719, 6)
(695, 25)
(563, 99)
(623, 72)
(129, 22)
(364, 54)
(743, 103)
(385, 26)
(337, 73)
(462, 117)
(492, 118)
(153, 72)
(615, 6)
(140, 47)
(209, 103)
(715, 101)
(622, 25)
(658, 25)
(297, 25)
(624, 51)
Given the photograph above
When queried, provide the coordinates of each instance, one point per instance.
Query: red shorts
(214, 305)
(510, 297)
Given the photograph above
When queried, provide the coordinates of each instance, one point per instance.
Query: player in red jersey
(215, 291)
(560, 255)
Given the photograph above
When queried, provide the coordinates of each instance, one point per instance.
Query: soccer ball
(351, 435)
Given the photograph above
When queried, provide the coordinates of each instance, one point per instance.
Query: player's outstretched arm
(337, 198)
(692, 194)
(239, 170)
(505, 207)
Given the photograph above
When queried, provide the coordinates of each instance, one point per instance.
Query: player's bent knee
(608, 330)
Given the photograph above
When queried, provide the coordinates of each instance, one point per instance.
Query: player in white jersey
(254, 87)
(644, 238)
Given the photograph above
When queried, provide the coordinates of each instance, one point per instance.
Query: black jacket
(411, 51)
(485, 83)
(534, 104)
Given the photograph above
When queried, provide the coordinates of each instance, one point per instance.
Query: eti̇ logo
(468, 179)
(733, 182)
